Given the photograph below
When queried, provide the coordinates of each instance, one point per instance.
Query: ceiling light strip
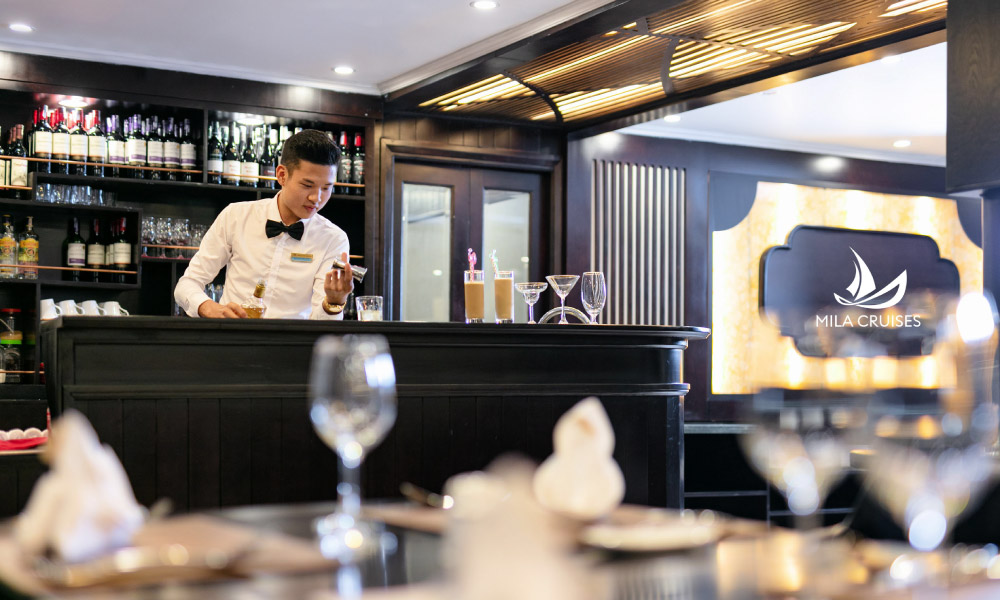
(587, 59)
(459, 91)
(909, 6)
(703, 17)
(798, 35)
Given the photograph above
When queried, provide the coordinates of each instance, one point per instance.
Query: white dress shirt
(294, 269)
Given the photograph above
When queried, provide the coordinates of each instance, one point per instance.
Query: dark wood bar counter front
(214, 413)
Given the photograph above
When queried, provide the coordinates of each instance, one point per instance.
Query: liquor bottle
(189, 152)
(60, 142)
(358, 165)
(268, 160)
(171, 149)
(77, 144)
(108, 239)
(254, 305)
(135, 144)
(97, 146)
(213, 162)
(231, 166)
(8, 250)
(249, 167)
(344, 166)
(17, 167)
(116, 146)
(74, 251)
(96, 252)
(5, 165)
(121, 251)
(27, 252)
(351, 309)
(154, 148)
(41, 142)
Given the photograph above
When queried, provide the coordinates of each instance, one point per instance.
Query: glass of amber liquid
(503, 296)
(254, 305)
(474, 296)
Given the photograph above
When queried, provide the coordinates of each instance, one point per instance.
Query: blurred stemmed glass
(932, 422)
(531, 290)
(593, 293)
(562, 285)
(352, 388)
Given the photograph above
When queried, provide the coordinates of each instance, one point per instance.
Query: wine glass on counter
(531, 290)
(352, 389)
(562, 285)
(593, 293)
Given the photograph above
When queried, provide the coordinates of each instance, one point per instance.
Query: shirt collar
(275, 215)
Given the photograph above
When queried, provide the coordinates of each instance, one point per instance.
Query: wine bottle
(8, 249)
(358, 164)
(213, 162)
(344, 166)
(96, 252)
(268, 160)
(135, 144)
(249, 167)
(254, 305)
(110, 233)
(171, 149)
(77, 143)
(41, 144)
(97, 146)
(60, 143)
(17, 167)
(74, 251)
(189, 152)
(154, 148)
(27, 252)
(231, 166)
(5, 164)
(116, 146)
(122, 251)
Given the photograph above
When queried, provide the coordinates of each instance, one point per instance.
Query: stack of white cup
(50, 310)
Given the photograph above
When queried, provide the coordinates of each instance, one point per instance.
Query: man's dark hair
(309, 145)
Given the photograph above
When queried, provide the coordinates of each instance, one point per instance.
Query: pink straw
(472, 259)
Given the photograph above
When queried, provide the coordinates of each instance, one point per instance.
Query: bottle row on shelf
(105, 257)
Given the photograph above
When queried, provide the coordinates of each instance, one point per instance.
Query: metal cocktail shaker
(358, 273)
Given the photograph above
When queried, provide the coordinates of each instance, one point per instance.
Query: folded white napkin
(84, 506)
(581, 479)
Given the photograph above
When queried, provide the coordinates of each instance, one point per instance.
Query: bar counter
(213, 413)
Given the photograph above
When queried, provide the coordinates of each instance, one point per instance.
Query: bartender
(282, 240)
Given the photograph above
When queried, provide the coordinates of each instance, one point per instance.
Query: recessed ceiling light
(343, 70)
(672, 118)
(892, 60)
(74, 102)
(484, 4)
(250, 120)
(901, 144)
(21, 27)
(829, 164)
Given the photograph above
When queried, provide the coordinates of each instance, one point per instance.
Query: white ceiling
(390, 43)
(857, 112)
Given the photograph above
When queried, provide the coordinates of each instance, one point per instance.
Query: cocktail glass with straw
(562, 284)
(531, 290)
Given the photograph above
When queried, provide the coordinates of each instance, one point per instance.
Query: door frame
(392, 151)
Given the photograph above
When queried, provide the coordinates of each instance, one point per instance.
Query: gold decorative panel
(777, 209)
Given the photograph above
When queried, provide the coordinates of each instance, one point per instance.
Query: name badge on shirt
(296, 257)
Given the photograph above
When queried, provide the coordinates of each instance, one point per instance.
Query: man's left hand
(339, 283)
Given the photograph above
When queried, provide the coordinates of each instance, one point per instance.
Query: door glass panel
(426, 252)
(505, 227)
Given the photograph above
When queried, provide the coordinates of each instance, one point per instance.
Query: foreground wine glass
(562, 284)
(531, 290)
(933, 421)
(352, 388)
(594, 293)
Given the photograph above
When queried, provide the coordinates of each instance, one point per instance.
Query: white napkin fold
(581, 479)
(84, 506)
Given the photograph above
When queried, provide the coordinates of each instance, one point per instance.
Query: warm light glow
(21, 27)
(909, 6)
(927, 428)
(343, 70)
(829, 164)
(484, 4)
(74, 102)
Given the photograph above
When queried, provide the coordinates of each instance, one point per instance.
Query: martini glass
(562, 284)
(531, 290)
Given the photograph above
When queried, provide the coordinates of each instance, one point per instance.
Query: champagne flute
(530, 290)
(352, 388)
(562, 284)
(594, 293)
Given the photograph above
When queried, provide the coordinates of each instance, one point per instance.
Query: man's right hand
(210, 309)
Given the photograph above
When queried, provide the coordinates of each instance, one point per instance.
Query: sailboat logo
(863, 292)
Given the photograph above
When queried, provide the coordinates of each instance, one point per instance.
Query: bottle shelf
(269, 178)
(15, 187)
(81, 269)
(105, 165)
(66, 206)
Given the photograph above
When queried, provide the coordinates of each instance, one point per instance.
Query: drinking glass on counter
(594, 293)
(562, 285)
(475, 296)
(369, 308)
(531, 290)
(503, 296)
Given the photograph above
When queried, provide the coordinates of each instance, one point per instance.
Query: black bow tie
(274, 229)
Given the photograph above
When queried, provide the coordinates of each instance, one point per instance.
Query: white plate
(637, 529)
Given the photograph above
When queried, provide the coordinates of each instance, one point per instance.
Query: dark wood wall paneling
(700, 160)
(472, 134)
